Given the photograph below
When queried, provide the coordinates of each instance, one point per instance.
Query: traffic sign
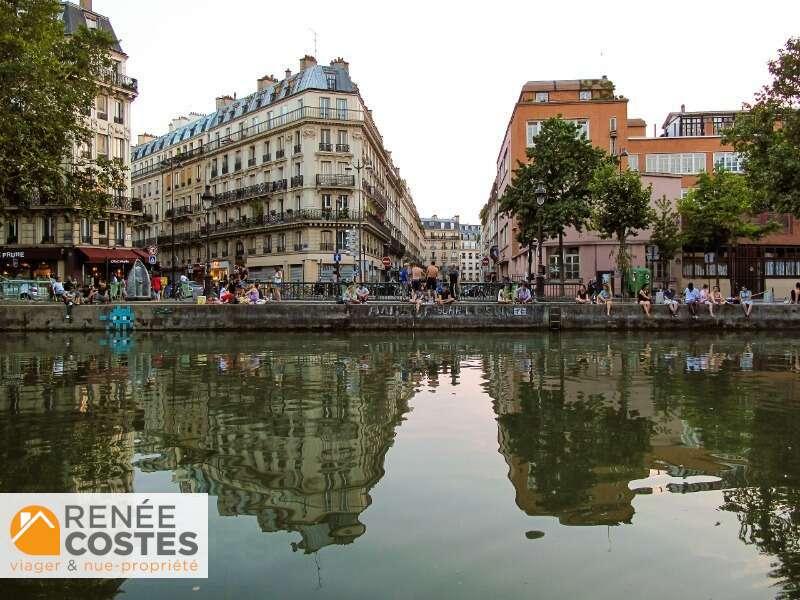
(152, 259)
(337, 257)
(485, 261)
(387, 262)
(152, 250)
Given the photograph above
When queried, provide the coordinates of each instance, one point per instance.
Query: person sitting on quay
(362, 293)
(350, 296)
(506, 294)
(794, 295)
(445, 296)
(253, 296)
(746, 300)
(582, 295)
(225, 296)
(604, 297)
(417, 298)
(524, 295)
(99, 294)
(57, 289)
(644, 300)
(716, 298)
(691, 297)
(672, 302)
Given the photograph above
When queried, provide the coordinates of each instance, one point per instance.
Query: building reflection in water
(295, 431)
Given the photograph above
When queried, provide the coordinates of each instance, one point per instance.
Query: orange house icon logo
(35, 530)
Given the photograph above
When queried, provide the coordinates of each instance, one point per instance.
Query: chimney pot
(288, 73)
(265, 82)
(86, 4)
(683, 108)
(307, 62)
(341, 64)
(223, 101)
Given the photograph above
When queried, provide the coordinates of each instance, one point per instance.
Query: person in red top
(155, 286)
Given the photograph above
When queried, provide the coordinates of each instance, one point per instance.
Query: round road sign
(387, 262)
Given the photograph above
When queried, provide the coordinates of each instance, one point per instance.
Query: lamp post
(358, 165)
(207, 200)
(541, 195)
(622, 154)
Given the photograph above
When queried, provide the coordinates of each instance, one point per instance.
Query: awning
(112, 255)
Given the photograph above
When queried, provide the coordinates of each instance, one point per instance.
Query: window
(86, 231)
(633, 162)
(729, 161)
(719, 124)
(612, 124)
(341, 137)
(687, 163)
(325, 167)
(48, 229)
(119, 149)
(331, 81)
(532, 130)
(571, 264)
(101, 106)
(342, 201)
(691, 126)
(583, 127)
(325, 108)
(102, 145)
(585, 95)
(326, 201)
(542, 97)
(120, 233)
(341, 109)
(119, 112)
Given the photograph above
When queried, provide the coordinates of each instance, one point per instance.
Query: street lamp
(541, 196)
(623, 154)
(207, 199)
(358, 165)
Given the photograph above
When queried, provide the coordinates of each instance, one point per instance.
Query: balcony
(120, 242)
(266, 157)
(213, 173)
(280, 249)
(277, 219)
(300, 247)
(48, 239)
(11, 239)
(251, 191)
(278, 185)
(103, 241)
(67, 238)
(251, 250)
(332, 180)
(378, 224)
(237, 166)
(343, 147)
(297, 181)
(102, 116)
(224, 170)
(251, 162)
(266, 250)
(325, 147)
(327, 247)
(280, 153)
(298, 148)
(122, 81)
(119, 120)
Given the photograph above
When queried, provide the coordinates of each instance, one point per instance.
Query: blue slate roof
(313, 78)
(74, 18)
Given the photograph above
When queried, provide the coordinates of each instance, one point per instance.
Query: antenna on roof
(314, 33)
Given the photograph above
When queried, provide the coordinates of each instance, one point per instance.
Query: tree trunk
(561, 264)
(530, 260)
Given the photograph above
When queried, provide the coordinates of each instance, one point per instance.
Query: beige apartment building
(296, 173)
(45, 238)
(453, 245)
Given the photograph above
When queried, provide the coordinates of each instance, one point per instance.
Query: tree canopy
(767, 135)
(48, 83)
(719, 210)
(666, 230)
(620, 207)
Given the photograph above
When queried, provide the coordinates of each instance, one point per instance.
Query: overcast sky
(442, 77)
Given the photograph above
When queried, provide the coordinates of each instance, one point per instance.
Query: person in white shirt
(691, 297)
(277, 280)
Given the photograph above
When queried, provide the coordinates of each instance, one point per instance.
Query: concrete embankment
(151, 316)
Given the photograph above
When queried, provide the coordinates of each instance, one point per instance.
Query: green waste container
(637, 278)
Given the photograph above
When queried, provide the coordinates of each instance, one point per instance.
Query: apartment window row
(730, 161)
(686, 163)
(572, 264)
(533, 128)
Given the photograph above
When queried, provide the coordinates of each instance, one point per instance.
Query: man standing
(403, 276)
(416, 278)
(431, 275)
(453, 275)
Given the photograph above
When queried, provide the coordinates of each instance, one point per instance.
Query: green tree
(48, 82)
(767, 135)
(562, 161)
(666, 232)
(620, 207)
(718, 212)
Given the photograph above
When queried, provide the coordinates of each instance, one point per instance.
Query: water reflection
(294, 432)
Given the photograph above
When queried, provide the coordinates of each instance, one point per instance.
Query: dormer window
(542, 97)
(585, 94)
(331, 79)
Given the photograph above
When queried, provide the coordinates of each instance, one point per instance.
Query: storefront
(220, 269)
(31, 263)
(104, 263)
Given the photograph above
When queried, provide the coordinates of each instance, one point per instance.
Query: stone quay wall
(167, 316)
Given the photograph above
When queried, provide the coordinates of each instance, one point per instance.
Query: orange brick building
(690, 143)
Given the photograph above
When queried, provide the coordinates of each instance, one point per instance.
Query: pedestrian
(582, 296)
(277, 281)
(431, 275)
(506, 294)
(746, 300)
(671, 302)
(58, 289)
(155, 284)
(445, 296)
(691, 297)
(524, 295)
(404, 279)
(453, 275)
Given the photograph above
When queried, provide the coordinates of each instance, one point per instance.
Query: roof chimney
(288, 73)
(86, 4)
(266, 81)
(144, 138)
(223, 101)
(340, 63)
(683, 108)
(307, 62)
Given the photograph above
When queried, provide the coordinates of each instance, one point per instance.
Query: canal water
(431, 466)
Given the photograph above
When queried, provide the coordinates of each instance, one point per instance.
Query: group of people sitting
(692, 298)
(508, 294)
(71, 292)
